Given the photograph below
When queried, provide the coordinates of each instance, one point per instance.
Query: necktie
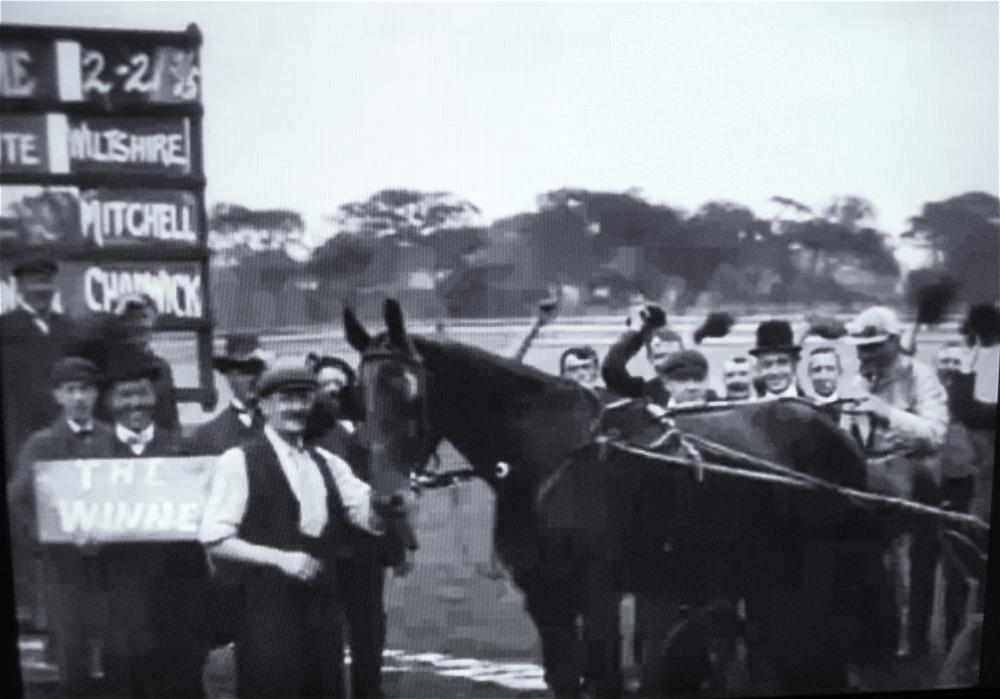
(136, 444)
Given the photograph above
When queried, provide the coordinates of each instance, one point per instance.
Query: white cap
(873, 325)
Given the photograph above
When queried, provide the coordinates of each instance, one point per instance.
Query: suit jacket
(619, 381)
(26, 359)
(223, 432)
(965, 408)
(57, 441)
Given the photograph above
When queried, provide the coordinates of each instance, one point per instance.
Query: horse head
(393, 391)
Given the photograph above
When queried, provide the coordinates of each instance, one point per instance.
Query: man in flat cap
(361, 557)
(777, 360)
(910, 414)
(31, 340)
(54, 589)
(660, 342)
(275, 513)
(239, 421)
(684, 374)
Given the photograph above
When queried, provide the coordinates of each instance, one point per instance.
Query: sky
(311, 105)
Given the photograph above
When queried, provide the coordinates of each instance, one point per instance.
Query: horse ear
(394, 321)
(357, 336)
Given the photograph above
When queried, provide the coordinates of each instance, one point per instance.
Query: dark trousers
(360, 585)
(157, 635)
(289, 639)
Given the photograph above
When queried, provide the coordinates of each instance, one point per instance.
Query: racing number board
(101, 164)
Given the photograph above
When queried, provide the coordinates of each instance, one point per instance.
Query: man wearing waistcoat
(274, 516)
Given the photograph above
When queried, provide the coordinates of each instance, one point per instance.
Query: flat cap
(69, 369)
(873, 325)
(285, 375)
(685, 364)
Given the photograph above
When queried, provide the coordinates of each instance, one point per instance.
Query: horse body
(578, 526)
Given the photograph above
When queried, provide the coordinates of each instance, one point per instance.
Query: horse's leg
(552, 607)
(602, 634)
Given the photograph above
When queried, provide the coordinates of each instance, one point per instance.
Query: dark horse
(577, 525)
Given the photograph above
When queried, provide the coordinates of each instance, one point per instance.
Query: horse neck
(488, 421)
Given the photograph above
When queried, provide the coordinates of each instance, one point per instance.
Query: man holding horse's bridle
(274, 518)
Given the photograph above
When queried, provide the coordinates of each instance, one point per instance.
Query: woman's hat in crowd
(286, 374)
(775, 336)
(243, 351)
(69, 369)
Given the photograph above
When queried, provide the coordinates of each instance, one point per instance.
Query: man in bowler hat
(777, 361)
(31, 340)
(239, 421)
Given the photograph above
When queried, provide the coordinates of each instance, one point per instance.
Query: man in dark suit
(239, 421)
(660, 342)
(777, 361)
(31, 340)
(55, 594)
(361, 557)
(158, 592)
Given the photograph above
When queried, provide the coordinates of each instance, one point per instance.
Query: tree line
(609, 246)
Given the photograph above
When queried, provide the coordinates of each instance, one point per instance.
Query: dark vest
(272, 512)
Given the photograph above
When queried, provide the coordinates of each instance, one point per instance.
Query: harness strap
(861, 498)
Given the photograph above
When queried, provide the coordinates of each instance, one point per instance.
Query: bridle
(426, 449)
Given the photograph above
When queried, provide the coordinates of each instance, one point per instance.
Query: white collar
(280, 444)
(239, 406)
(30, 309)
(347, 425)
(791, 392)
(77, 427)
(136, 440)
(832, 398)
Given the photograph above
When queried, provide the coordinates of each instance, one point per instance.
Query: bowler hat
(243, 352)
(127, 364)
(775, 336)
(286, 375)
(36, 264)
(685, 364)
(69, 369)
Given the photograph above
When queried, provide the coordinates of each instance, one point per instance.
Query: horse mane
(488, 367)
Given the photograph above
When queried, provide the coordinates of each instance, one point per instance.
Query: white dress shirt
(136, 441)
(229, 493)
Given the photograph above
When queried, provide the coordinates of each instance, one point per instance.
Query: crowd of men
(926, 436)
(292, 532)
(293, 545)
